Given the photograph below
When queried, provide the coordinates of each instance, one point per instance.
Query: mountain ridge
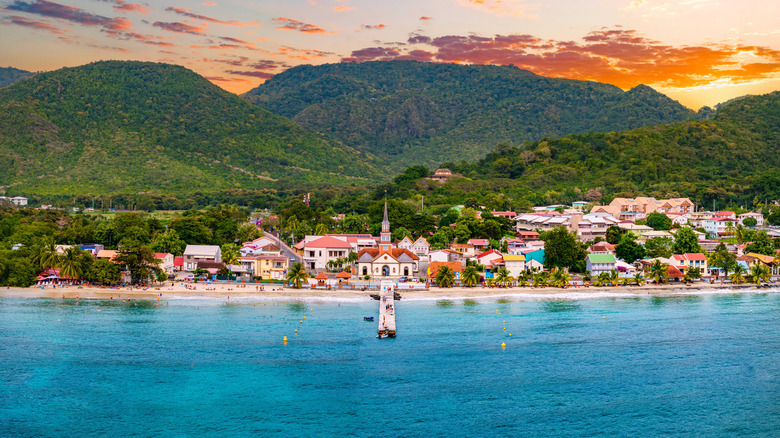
(424, 113)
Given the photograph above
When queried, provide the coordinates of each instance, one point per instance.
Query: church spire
(384, 238)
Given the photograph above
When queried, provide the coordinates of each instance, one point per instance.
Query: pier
(386, 314)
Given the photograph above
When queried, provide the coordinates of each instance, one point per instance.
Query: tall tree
(628, 250)
(296, 274)
(685, 241)
(139, 260)
(659, 221)
(562, 249)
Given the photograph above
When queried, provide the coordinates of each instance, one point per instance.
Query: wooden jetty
(386, 315)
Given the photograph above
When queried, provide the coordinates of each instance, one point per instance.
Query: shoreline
(232, 293)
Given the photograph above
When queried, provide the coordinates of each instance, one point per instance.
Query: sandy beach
(277, 293)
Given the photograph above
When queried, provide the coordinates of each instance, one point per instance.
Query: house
(178, 264)
(166, 261)
(106, 254)
(726, 214)
(515, 246)
(766, 260)
(200, 253)
(579, 205)
(92, 248)
(592, 225)
(717, 226)
(638, 208)
(466, 249)
(479, 244)
(262, 245)
(433, 269)
(441, 175)
(211, 267)
(679, 219)
(420, 248)
(602, 248)
(598, 263)
(683, 262)
(405, 243)
(757, 216)
(511, 215)
(489, 258)
(19, 200)
(390, 263)
(444, 256)
(270, 268)
(356, 241)
(317, 253)
(515, 264)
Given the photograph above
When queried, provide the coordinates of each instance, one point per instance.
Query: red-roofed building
(433, 269)
(178, 263)
(392, 263)
(506, 214)
(690, 260)
(479, 244)
(166, 261)
(602, 248)
(317, 253)
(489, 258)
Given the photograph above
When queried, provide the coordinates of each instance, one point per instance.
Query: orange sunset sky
(699, 52)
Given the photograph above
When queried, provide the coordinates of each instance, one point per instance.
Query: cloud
(188, 13)
(254, 74)
(209, 4)
(179, 27)
(69, 13)
(130, 7)
(424, 18)
(223, 79)
(372, 26)
(32, 24)
(343, 8)
(292, 24)
(621, 57)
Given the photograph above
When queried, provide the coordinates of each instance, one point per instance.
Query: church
(386, 261)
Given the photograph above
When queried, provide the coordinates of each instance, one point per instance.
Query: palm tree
(503, 278)
(614, 277)
(730, 228)
(587, 276)
(561, 278)
(445, 277)
(638, 279)
(739, 233)
(737, 276)
(70, 265)
(659, 271)
(759, 274)
(541, 278)
(352, 257)
(470, 276)
(296, 275)
(602, 279)
(45, 253)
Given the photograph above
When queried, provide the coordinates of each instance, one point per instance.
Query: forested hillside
(127, 127)
(10, 76)
(413, 113)
(732, 158)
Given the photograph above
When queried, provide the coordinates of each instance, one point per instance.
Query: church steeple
(384, 240)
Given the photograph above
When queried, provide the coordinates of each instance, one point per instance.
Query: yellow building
(271, 267)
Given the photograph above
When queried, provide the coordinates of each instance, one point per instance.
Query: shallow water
(694, 365)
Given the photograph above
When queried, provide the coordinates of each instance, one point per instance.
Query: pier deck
(386, 315)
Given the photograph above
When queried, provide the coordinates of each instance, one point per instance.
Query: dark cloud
(292, 24)
(179, 27)
(33, 24)
(69, 13)
(190, 14)
(254, 74)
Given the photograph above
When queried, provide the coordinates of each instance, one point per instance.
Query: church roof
(375, 253)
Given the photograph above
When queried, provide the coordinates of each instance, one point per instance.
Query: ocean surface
(645, 366)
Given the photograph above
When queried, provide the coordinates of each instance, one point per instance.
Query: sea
(703, 365)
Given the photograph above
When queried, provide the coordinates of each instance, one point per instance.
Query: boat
(368, 318)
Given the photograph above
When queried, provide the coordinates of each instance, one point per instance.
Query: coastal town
(628, 242)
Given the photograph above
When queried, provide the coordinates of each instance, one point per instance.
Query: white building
(598, 263)
(317, 253)
(757, 216)
(201, 253)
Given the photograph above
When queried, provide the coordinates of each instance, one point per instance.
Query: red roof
(487, 253)
(160, 255)
(178, 261)
(674, 272)
(696, 256)
(328, 242)
(344, 274)
(479, 241)
(321, 276)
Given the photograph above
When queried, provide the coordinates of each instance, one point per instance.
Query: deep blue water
(678, 366)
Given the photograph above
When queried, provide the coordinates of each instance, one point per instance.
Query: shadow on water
(470, 303)
(503, 301)
(445, 303)
(560, 306)
(297, 306)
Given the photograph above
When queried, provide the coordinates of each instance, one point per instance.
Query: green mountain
(10, 76)
(732, 158)
(410, 113)
(111, 127)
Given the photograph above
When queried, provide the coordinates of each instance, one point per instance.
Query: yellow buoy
(312, 310)
(285, 339)
(751, 312)
(499, 313)
(504, 321)
(296, 331)
(504, 328)
(503, 345)
(603, 317)
(510, 334)
(304, 317)
(301, 321)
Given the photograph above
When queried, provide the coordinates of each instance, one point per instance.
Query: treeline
(28, 239)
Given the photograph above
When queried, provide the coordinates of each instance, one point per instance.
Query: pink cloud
(292, 24)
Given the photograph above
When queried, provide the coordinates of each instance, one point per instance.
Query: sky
(699, 52)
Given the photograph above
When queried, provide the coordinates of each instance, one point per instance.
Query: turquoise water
(681, 366)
